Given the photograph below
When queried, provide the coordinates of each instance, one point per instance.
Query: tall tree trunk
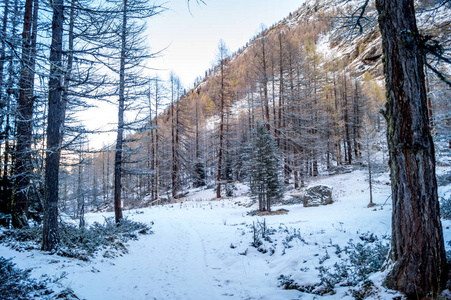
(281, 91)
(348, 145)
(265, 83)
(175, 135)
(120, 121)
(199, 168)
(417, 259)
(2, 62)
(23, 167)
(222, 96)
(50, 237)
(156, 146)
(151, 154)
(70, 61)
(221, 146)
(4, 100)
(356, 126)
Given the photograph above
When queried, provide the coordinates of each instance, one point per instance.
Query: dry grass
(269, 213)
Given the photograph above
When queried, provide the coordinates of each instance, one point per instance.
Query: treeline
(322, 111)
(315, 109)
(58, 58)
(319, 106)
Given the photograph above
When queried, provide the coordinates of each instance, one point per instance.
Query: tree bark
(348, 144)
(417, 258)
(265, 83)
(23, 167)
(2, 61)
(120, 122)
(175, 87)
(50, 237)
(222, 99)
(221, 142)
(157, 147)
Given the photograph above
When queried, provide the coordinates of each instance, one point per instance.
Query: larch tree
(155, 165)
(369, 136)
(120, 118)
(222, 98)
(175, 87)
(23, 166)
(55, 122)
(261, 69)
(199, 166)
(417, 262)
(3, 32)
(5, 194)
(128, 52)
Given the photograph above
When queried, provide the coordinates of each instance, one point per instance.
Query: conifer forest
(313, 162)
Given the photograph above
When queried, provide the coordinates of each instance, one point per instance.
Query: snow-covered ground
(201, 248)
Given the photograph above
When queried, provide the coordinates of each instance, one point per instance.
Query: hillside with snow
(205, 217)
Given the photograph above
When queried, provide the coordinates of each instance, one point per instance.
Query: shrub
(287, 283)
(80, 243)
(445, 208)
(16, 284)
(358, 262)
(363, 259)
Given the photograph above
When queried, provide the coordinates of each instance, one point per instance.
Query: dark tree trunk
(221, 145)
(157, 161)
(175, 137)
(265, 83)
(5, 198)
(356, 126)
(120, 122)
(348, 147)
(222, 96)
(2, 61)
(69, 65)
(23, 166)
(50, 237)
(281, 91)
(417, 258)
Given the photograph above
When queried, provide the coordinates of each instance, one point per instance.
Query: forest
(330, 90)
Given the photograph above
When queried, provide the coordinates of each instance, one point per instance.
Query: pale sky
(192, 39)
(192, 44)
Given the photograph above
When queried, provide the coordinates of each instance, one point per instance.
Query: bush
(358, 262)
(363, 260)
(287, 283)
(16, 284)
(445, 208)
(80, 243)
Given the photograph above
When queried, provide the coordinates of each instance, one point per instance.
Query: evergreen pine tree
(199, 174)
(264, 169)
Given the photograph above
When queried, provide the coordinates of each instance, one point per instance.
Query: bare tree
(417, 267)
(50, 238)
(222, 99)
(23, 166)
(175, 87)
(128, 51)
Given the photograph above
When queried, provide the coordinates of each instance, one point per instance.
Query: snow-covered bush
(16, 284)
(80, 243)
(362, 259)
(287, 283)
(357, 262)
(261, 231)
(445, 208)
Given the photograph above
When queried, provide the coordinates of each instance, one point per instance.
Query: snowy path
(170, 264)
(196, 249)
